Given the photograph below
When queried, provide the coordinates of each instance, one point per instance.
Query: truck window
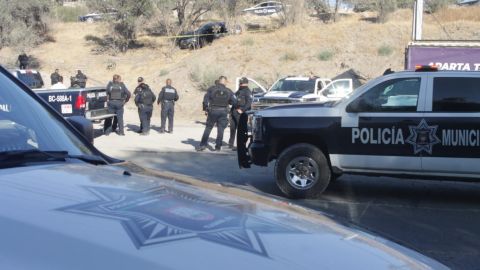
(456, 94)
(397, 95)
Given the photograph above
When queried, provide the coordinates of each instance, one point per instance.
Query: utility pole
(417, 20)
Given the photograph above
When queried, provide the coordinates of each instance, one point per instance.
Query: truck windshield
(289, 85)
(26, 125)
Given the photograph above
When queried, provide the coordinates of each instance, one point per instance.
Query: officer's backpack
(220, 97)
(147, 97)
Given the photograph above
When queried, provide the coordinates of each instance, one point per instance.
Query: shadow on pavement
(97, 132)
(440, 219)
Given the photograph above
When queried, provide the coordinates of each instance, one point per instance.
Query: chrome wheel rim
(302, 173)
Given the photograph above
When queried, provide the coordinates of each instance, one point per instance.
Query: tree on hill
(23, 23)
(128, 19)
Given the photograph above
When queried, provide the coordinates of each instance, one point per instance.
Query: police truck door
(376, 126)
(453, 117)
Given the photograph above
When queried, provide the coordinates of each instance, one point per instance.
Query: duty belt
(169, 101)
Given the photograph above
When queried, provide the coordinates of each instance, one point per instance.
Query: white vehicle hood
(77, 216)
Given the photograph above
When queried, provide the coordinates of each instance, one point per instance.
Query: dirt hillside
(324, 49)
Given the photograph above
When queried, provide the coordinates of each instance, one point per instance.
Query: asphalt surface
(440, 219)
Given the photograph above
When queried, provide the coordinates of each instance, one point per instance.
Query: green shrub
(432, 6)
(385, 50)
(163, 72)
(289, 56)
(248, 41)
(325, 56)
(204, 77)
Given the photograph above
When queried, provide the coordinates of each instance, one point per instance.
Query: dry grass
(459, 14)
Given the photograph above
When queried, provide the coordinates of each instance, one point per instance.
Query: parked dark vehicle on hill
(202, 36)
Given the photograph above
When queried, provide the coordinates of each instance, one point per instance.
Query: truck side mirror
(82, 125)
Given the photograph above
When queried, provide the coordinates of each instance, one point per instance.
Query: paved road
(438, 219)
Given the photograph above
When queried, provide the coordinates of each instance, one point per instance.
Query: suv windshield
(26, 125)
(289, 85)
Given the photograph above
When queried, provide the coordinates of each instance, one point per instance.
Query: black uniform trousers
(116, 107)
(110, 125)
(219, 117)
(234, 119)
(168, 111)
(145, 116)
(140, 117)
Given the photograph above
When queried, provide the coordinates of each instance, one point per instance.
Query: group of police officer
(79, 80)
(144, 98)
(217, 103)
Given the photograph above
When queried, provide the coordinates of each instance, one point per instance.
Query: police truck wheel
(302, 171)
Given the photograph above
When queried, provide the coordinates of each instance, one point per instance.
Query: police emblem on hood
(423, 137)
(161, 215)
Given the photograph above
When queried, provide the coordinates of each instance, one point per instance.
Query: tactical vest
(242, 99)
(81, 78)
(220, 98)
(169, 94)
(147, 97)
(116, 92)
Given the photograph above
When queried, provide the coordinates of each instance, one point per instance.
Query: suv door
(336, 90)
(375, 132)
(453, 110)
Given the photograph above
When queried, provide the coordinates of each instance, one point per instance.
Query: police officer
(244, 103)
(167, 96)
(216, 102)
(144, 100)
(23, 60)
(55, 77)
(81, 79)
(136, 92)
(118, 95)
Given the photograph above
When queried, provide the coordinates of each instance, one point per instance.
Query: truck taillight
(80, 102)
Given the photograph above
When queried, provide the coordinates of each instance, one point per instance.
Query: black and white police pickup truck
(90, 103)
(422, 124)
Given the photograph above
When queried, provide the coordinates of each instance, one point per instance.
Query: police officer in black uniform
(118, 95)
(136, 92)
(81, 79)
(167, 96)
(244, 103)
(55, 77)
(144, 100)
(23, 60)
(216, 102)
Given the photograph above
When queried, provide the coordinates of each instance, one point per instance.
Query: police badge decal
(161, 214)
(423, 137)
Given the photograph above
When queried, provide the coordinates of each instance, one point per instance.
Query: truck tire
(302, 171)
